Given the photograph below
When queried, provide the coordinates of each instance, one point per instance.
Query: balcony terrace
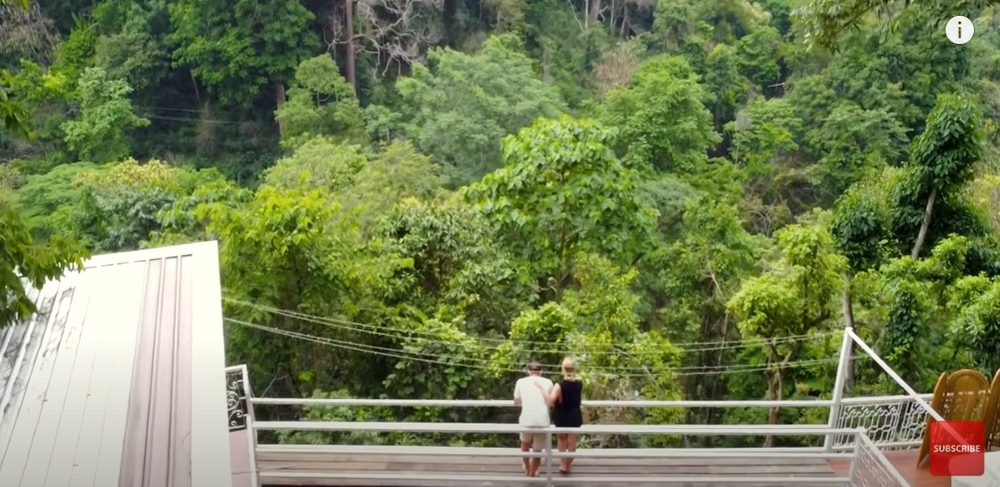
(119, 379)
(867, 441)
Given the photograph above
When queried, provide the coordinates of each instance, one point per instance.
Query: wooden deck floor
(906, 464)
(273, 464)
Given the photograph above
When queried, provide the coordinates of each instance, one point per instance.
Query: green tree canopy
(237, 47)
(661, 117)
(562, 191)
(98, 134)
(460, 106)
(320, 102)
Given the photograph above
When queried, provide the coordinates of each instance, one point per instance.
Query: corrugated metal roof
(98, 388)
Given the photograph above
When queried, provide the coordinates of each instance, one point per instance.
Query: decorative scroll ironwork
(236, 399)
(870, 470)
(897, 423)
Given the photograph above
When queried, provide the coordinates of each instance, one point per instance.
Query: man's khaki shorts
(537, 440)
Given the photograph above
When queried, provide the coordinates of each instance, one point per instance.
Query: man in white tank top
(534, 414)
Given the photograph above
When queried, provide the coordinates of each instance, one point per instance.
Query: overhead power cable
(403, 355)
(435, 355)
(397, 333)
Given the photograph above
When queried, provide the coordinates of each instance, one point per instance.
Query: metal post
(852, 475)
(251, 430)
(838, 388)
(548, 459)
(906, 387)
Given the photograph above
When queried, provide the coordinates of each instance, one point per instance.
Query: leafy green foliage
(236, 47)
(758, 56)
(853, 143)
(562, 192)
(26, 263)
(597, 323)
(320, 163)
(725, 82)
(459, 106)
(661, 119)
(795, 297)
(98, 134)
(48, 201)
(943, 160)
(320, 103)
(264, 244)
(911, 294)
(135, 57)
(120, 206)
(426, 231)
(946, 153)
(456, 262)
(859, 225)
(396, 172)
(764, 144)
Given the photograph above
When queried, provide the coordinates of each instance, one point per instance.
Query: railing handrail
(906, 387)
(894, 376)
(589, 429)
(500, 403)
(868, 443)
(630, 453)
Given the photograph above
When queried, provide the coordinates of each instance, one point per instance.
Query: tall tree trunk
(592, 11)
(926, 225)
(279, 89)
(194, 83)
(351, 53)
(773, 383)
(849, 323)
(772, 395)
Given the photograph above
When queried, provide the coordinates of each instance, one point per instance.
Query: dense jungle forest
(413, 198)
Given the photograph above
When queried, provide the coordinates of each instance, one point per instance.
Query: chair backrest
(937, 404)
(957, 397)
(968, 391)
(991, 414)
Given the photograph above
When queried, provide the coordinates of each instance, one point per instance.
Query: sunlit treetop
(825, 21)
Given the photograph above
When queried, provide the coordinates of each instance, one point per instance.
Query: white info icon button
(959, 30)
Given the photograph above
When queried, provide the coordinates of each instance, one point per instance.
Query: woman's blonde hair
(568, 367)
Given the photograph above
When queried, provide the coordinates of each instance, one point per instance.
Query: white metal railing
(870, 468)
(549, 454)
(928, 410)
(241, 414)
(857, 428)
(892, 422)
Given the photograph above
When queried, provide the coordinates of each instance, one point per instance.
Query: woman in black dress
(566, 398)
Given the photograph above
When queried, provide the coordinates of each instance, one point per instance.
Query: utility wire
(393, 336)
(189, 120)
(407, 334)
(433, 355)
(400, 355)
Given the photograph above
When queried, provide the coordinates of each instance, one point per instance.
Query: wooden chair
(991, 414)
(957, 397)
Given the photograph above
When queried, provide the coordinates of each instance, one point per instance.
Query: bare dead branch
(26, 32)
(398, 31)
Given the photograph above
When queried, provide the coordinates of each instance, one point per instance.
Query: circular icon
(959, 30)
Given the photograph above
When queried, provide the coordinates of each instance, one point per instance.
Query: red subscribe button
(957, 448)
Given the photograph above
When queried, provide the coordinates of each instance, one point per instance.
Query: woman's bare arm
(555, 396)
